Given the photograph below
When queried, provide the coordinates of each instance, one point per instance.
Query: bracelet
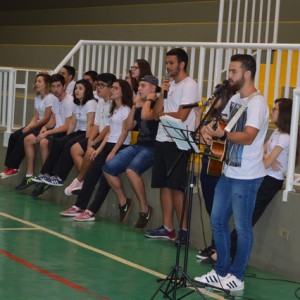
(224, 137)
(150, 100)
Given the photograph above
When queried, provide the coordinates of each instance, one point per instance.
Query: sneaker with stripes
(86, 216)
(211, 279)
(53, 180)
(233, 284)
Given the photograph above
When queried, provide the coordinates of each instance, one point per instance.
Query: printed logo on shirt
(234, 152)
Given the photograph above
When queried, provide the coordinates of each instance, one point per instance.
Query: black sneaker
(125, 210)
(144, 219)
(208, 261)
(182, 238)
(205, 253)
(25, 183)
(40, 189)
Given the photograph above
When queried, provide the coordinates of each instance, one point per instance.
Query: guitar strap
(235, 118)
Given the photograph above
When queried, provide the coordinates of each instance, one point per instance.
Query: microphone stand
(208, 114)
(178, 278)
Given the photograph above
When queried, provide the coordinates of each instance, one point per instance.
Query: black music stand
(178, 277)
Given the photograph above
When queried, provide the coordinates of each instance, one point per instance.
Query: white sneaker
(211, 279)
(231, 283)
(75, 185)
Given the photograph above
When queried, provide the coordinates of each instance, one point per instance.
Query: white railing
(277, 64)
(248, 21)
(292, 179)
(16, 93)
(7, 96)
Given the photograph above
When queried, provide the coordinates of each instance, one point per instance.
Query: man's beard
(237, 85)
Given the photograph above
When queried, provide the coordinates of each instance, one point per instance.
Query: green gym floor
(45, 256)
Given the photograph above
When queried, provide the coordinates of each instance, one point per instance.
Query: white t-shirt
(96, 96)
(115, 123)
(102, 113)
(246, 161)
(282, 140)
(41, 104)
(62, 109)
(81, 113)
(70, 87)
(184, 92)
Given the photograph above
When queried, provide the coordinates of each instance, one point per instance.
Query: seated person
(42, 113)
(56, 128)
(81, 151)
(137, 158)
(91, 76)
(115, 140)
(59, 158)
(69, 73)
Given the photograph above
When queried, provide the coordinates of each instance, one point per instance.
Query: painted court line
(52, 275)
(21, 228)
(104, 253)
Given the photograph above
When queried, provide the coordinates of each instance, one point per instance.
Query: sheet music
(180, 135)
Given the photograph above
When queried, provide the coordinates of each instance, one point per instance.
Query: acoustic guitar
(217, 148)
(215, 164)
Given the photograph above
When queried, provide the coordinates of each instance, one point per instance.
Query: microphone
(167, 77)
(219, 89)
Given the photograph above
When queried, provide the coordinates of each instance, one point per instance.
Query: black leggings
(15, 150)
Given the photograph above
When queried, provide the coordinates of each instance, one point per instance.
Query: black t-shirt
(147, 129)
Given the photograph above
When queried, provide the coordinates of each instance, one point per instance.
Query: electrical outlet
(284, 233)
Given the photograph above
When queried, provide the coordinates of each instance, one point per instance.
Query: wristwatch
(224, 137)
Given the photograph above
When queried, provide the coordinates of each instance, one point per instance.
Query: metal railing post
(290, 176)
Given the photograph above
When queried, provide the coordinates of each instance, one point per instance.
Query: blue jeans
(137, 158)
(237, 197)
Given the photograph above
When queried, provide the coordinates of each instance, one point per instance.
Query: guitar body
(215, 165)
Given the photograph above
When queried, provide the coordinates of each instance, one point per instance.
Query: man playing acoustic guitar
(243, 172)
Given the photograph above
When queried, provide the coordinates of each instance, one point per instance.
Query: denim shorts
(134, 157)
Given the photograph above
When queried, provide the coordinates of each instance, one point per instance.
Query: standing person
(115, 140)
(83, 114)
(137, 158)
(276, 152)
(69, 73)
(81, 151)
(42, 113)
(243, 173)
(54, 129)
(181, 90)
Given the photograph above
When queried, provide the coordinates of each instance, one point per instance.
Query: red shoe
(73, 211)
(86, 216)
(9, 172)
(2, 173)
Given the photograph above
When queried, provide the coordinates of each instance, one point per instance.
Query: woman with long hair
(115, 140)
(139, 69)
(42, 113)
